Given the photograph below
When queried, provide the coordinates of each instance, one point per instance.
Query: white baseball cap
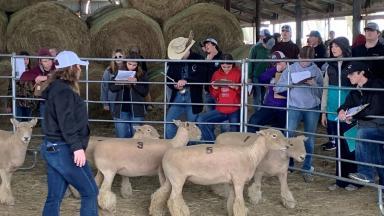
(68, 58)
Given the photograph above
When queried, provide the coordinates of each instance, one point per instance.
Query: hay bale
(47, 24)
(100, 12)
(125, 28)
(206, 20)
(161, 10)
(3, 27)
(241, 52)
(15, 5)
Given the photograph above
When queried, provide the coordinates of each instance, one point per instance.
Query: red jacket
(30, 75)
(226, 94)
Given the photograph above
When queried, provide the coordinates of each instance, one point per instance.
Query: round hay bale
(206, 20)
(125, 28)
(50, 25)
(3, 28)
(15, 5)
(100, 12)
(241, 52)
(161, 10)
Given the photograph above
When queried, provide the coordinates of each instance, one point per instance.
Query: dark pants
(267, 116)
(346, 167)
(23, 112)
(61, 171)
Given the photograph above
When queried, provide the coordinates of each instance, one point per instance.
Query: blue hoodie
(305, 98)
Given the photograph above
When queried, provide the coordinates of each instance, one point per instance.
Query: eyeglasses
(119, 56)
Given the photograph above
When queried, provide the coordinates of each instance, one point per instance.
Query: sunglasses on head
(118, 56)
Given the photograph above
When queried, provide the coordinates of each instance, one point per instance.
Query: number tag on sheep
(140, 145)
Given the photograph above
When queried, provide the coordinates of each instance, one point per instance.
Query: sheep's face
(296, 148)
(275, 140)
(24, 129)
(146, 131)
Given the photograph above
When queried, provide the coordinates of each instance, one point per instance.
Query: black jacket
(212, 67)
(376, 66)
(374, 98)
(66, 117)
(196, 74)
(333, 74)
(130, 92)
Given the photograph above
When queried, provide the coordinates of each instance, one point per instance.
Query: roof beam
(314, 7)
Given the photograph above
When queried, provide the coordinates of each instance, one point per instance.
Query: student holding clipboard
(128, 90)
(369, 127)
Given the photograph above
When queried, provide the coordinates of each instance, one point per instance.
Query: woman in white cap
(66, 138)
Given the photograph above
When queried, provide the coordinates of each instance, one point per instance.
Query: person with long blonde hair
(66, 138)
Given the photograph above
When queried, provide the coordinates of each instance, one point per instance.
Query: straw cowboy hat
(179, 46)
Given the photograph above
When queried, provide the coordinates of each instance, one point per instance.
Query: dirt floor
(29, 188)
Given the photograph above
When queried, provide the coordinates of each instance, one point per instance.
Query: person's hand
(79, 158)
(106, 107)
(180, 84)
(40, 79)
(214, 86)
(280, 66)
(233, 87)
(343, 117)
(310, 82)
(132, 79)
(324, 119)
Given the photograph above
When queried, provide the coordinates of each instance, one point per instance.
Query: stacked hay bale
(241, 52)
(47, 24)
(126, 28)
(161, 10)
(206, 20)
(15, 5)
(3, 27)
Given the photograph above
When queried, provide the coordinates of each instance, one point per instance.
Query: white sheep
(13, 147)
(213, 164)
(275, 163)
(143, 131)
(136, 157)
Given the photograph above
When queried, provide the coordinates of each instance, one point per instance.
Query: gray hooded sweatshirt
(305, 98)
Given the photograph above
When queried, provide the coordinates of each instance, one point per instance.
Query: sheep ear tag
(209, 150)
(140, 145)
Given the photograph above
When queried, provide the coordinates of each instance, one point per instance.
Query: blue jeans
(23, 112)
(370, 152)
(175, 111)
(208, 99)
(42, 111)
(207, 132)
(267, 116)
(61, 171)
(310, 120)
(125, 129)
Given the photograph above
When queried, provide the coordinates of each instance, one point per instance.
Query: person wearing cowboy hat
(179, 75)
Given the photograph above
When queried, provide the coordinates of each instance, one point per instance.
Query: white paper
(249, 89)
(20, 67)
(124, 75)
(300, 76)
(354, 110)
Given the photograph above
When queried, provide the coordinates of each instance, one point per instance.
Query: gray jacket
(105, 93)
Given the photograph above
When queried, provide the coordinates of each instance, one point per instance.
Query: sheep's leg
(106, 198)
(161, 175)
(230, 200)
(286, 195)
(99, 178)
(6, 196)
(239, 208)
(176, 204)
(254, 190)
(126, 188)
(159, 199)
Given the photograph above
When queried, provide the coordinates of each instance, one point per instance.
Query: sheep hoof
(178, 207)
(239, 208)
(289, 203)
(8, 200)
(256, 198)
(107, 200)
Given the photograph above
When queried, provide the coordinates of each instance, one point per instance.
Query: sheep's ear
(178, 123)
(261, 132)
(14, 122)
(304, 138)
(33, 122)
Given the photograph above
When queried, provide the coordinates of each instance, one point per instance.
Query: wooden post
(227, 5)
(257, 20)
(356, 14)
(299, 23)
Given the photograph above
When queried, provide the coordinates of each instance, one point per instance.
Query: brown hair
(139, 71)
(69, 74)
(307, 52)
(113, 66)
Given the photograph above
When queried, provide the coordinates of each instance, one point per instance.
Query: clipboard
(124, 75)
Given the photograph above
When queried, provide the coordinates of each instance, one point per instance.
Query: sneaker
(333, 187)
(351, 187)
(359, 177)
(308, 176)
(329, 146)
